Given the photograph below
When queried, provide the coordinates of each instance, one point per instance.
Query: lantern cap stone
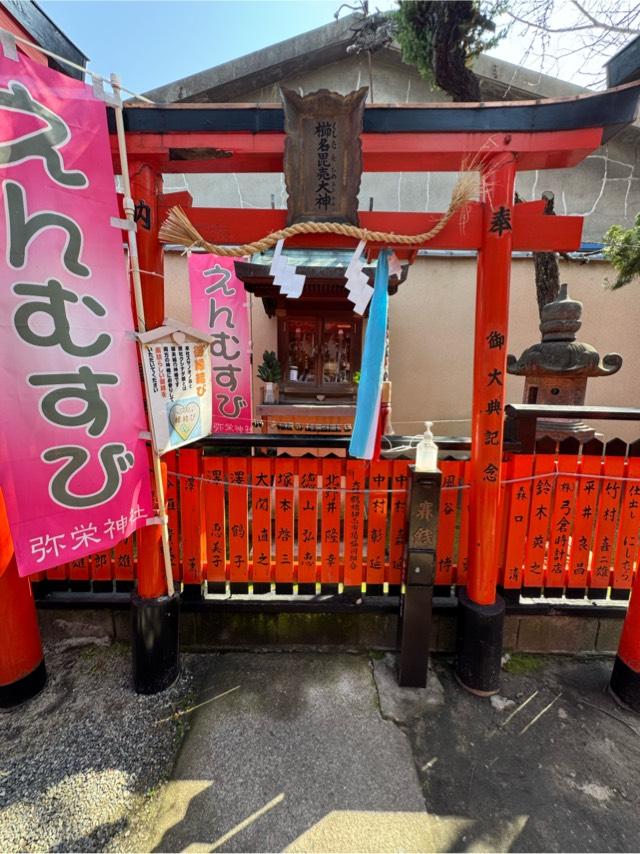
(560, 319)
(559, 354)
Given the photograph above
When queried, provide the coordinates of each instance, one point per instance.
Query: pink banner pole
(129, 209)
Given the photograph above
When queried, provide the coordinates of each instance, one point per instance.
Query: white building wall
(431, 337)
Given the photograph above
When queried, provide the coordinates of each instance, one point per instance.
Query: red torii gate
(499, 139)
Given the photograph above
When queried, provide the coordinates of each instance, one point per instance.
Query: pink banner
(74, 473)
(220, 306)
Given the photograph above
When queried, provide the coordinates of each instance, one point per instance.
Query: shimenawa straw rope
(177, 228)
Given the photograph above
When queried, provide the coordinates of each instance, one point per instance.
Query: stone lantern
(557, 368)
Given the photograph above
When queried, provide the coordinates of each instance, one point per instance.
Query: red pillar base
(22, 670)
(625, 685)
(24, 689)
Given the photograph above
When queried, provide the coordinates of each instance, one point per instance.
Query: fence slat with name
(588, 487)
(571, 523)
(463, 539)
(284, 520)
(238, 530)
(378, 506)
(628, 544)
(261, 561)
(354, 524)
(332, 496)
(449, 499)
(398, 522)
(308, 522)
(192, 531)
(171, 462)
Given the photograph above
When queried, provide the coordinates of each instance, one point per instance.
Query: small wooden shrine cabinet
(319, 341)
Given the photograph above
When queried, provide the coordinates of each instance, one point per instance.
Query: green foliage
(522, 663)
(270, 370)
(440, 37)
(622, 250)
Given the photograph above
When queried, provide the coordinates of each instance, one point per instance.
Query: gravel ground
(81, 763)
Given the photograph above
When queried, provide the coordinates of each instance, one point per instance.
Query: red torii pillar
(625, 676)
(480, 609)
(155, 615)
(22, 669)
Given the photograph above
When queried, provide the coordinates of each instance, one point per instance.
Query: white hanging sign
(177, 368)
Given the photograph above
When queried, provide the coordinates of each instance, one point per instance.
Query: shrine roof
(610, 110)
(625, 65)
(44, 32)
(310, 51)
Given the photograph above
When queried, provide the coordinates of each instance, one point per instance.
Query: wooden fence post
(415, 609)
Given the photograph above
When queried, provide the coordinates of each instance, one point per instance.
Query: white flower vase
(269, 393)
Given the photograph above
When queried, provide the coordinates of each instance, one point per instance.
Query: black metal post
(155, 645)
(479, 645)
(415, 604)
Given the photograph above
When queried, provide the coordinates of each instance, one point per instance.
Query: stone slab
(546, 633)
(75, 628)
(203, 631)
(286, 747)
(608, 635)
(402, 705)
(511, 631)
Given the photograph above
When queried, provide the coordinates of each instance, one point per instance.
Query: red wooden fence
(264, 521)
(571, 522)
(575, 525)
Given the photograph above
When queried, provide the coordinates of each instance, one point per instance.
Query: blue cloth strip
(372, 370)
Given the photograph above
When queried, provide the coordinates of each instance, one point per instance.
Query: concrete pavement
(309, 752)
(291, 741)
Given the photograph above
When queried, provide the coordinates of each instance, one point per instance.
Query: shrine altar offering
(73, 469)
(220, 305)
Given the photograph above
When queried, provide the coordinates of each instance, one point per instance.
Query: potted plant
(270, 373)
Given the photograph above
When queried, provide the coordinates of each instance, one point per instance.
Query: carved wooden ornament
(323, 155)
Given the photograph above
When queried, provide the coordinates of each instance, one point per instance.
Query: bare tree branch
(559, 34)
(600, 25)
(544, 28)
